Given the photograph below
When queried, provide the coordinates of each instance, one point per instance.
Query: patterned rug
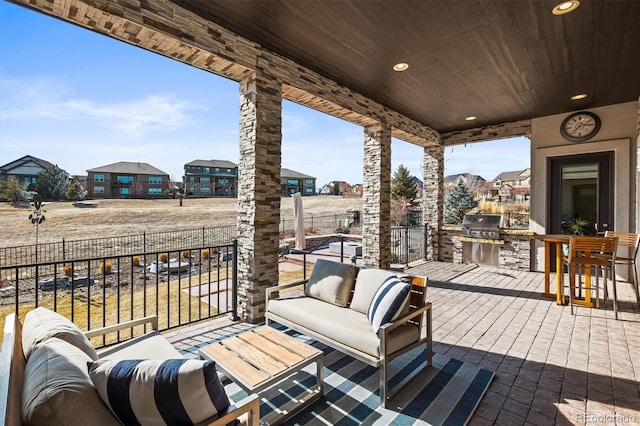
(445, 394)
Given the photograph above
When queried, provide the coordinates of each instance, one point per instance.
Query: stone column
(433, 197)
(376, 218)
(258, 192)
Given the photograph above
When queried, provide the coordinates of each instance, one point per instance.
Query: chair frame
(630, 240)
(588, 252)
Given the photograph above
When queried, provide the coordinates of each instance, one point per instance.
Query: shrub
(67, 270)
(105, 268)
(164, 257)
(204, 253)
(136, 260)
(393, 258)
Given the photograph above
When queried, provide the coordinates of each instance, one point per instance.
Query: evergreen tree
(52, 183)
(76, 191)
(13, 190)
(458, 202)
(402, 185)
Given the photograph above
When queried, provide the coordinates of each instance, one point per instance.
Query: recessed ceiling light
(565, 7)
(400, 66)
(471, 118)
(578, 97)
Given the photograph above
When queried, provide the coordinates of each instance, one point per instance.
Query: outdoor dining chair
(631, 241)
(586, 252)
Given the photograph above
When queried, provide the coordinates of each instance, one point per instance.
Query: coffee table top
(260, 357)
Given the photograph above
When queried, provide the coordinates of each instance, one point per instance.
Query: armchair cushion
(331, 282)
(388, 303)
(171, 391)
(42, 324)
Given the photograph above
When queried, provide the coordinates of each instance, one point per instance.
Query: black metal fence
(116, 246)
(180, 286)
(324, 225)
(408, 243)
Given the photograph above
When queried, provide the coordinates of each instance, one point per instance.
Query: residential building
(419, 186)
(211, 178)
(127, 180)
(292, 182)
(25, 169)
(336, 187)
(512, 186)
(476, 184)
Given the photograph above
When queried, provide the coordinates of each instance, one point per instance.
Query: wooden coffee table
(260, 358)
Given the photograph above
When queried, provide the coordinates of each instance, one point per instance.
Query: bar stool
(631, 241)
(587, 252)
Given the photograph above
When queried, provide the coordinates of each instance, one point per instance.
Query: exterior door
(581, 192)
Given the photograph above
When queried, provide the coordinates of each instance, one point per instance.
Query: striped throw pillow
(387, 303)
(159, 392)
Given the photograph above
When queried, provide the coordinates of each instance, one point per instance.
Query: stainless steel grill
(485, 226)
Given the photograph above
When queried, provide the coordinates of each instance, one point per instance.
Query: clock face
(580, 126)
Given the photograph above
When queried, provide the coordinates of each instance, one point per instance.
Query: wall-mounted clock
(580, 126)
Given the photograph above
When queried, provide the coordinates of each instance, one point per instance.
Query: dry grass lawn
(112, 218)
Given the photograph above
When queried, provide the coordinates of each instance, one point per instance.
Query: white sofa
(50, 373)
(335, 307)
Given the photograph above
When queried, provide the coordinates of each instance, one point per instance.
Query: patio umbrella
(298, 219)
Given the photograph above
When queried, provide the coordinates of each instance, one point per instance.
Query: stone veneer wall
(376, 218)
(433, 196)
(514, 254)
(258, 192)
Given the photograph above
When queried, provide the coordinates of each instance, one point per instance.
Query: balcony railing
(180, 287)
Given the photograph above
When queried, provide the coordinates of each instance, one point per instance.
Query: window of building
(207, 170)
(155, 191)
(205, 189)
(98, 178)
(228, 171)
(292, 191)
(308, 182)
(124, 179)
(191, 179)
(217, 170)
(308, 191)
(205, 180)
(98, 189)
(223, 181)
(124, 191)
(292, 181)
(155, 179)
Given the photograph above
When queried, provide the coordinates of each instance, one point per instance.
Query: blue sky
(82, 100)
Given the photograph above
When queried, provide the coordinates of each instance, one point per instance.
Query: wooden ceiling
(498, 60)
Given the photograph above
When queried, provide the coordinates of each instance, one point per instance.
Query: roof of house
(212, 163)
(129, 167)
(508, 176)
(23, 160)
(468, 176)
(288, 173)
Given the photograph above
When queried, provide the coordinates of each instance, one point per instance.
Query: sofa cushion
(41, 324)
(151, 345)
(343, 325)
(388, 302)
(58, 390)
(367, 283)
(331, 282)
(153, 392)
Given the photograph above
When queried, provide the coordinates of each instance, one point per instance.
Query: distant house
(292, 182)
(127, 180)
(336, 187)
(476, 184)
(25, 169)
(211, 178)
(515, 185)
(419, 186)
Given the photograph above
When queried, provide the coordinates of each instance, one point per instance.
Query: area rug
(445, 394)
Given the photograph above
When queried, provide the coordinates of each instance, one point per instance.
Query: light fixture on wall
(401, 66)
(471, 118)
(578, 96)
(565, 7)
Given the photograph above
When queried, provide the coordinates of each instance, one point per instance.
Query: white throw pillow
(388, 303)
(158, 392)
(368, 282)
